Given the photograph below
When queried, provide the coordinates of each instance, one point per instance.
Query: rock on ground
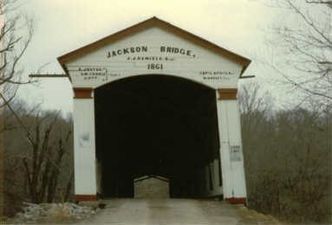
(52, 213)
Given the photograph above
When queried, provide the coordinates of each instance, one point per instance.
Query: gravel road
(176, 212)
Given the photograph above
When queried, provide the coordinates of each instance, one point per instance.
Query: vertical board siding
(84, 147)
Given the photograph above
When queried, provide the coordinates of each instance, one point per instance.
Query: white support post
(217, 189)
(84, 146)
(231, 155)
(207, 180)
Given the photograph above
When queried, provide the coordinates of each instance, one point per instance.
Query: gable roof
(153, 22)
(164, 179)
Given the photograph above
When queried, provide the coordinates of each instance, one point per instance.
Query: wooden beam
(83, 92)
(246, 77)
(85, 198)
(227, 93)
(48, 75)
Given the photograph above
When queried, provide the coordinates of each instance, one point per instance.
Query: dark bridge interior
(155, 125)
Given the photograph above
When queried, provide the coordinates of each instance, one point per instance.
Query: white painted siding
(235, 139)
(230, 139)
(203, 66)
(197, 64)
(84, 147)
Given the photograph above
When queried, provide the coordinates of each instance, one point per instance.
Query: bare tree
(253, 102)
(304, 37)
(327, 2)
(43, 155)
(287, 158)
(15, 35)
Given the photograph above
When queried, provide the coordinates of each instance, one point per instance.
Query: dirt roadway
(176, 211)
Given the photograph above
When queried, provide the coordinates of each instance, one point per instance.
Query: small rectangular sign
(235, 153)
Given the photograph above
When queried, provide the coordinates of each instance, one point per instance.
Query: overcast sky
(64, 25)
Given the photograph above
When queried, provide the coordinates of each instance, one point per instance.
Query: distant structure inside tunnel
(151, 186)
(155, 99)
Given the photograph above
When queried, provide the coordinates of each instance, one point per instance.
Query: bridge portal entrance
(155, 100)
(157, 125)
